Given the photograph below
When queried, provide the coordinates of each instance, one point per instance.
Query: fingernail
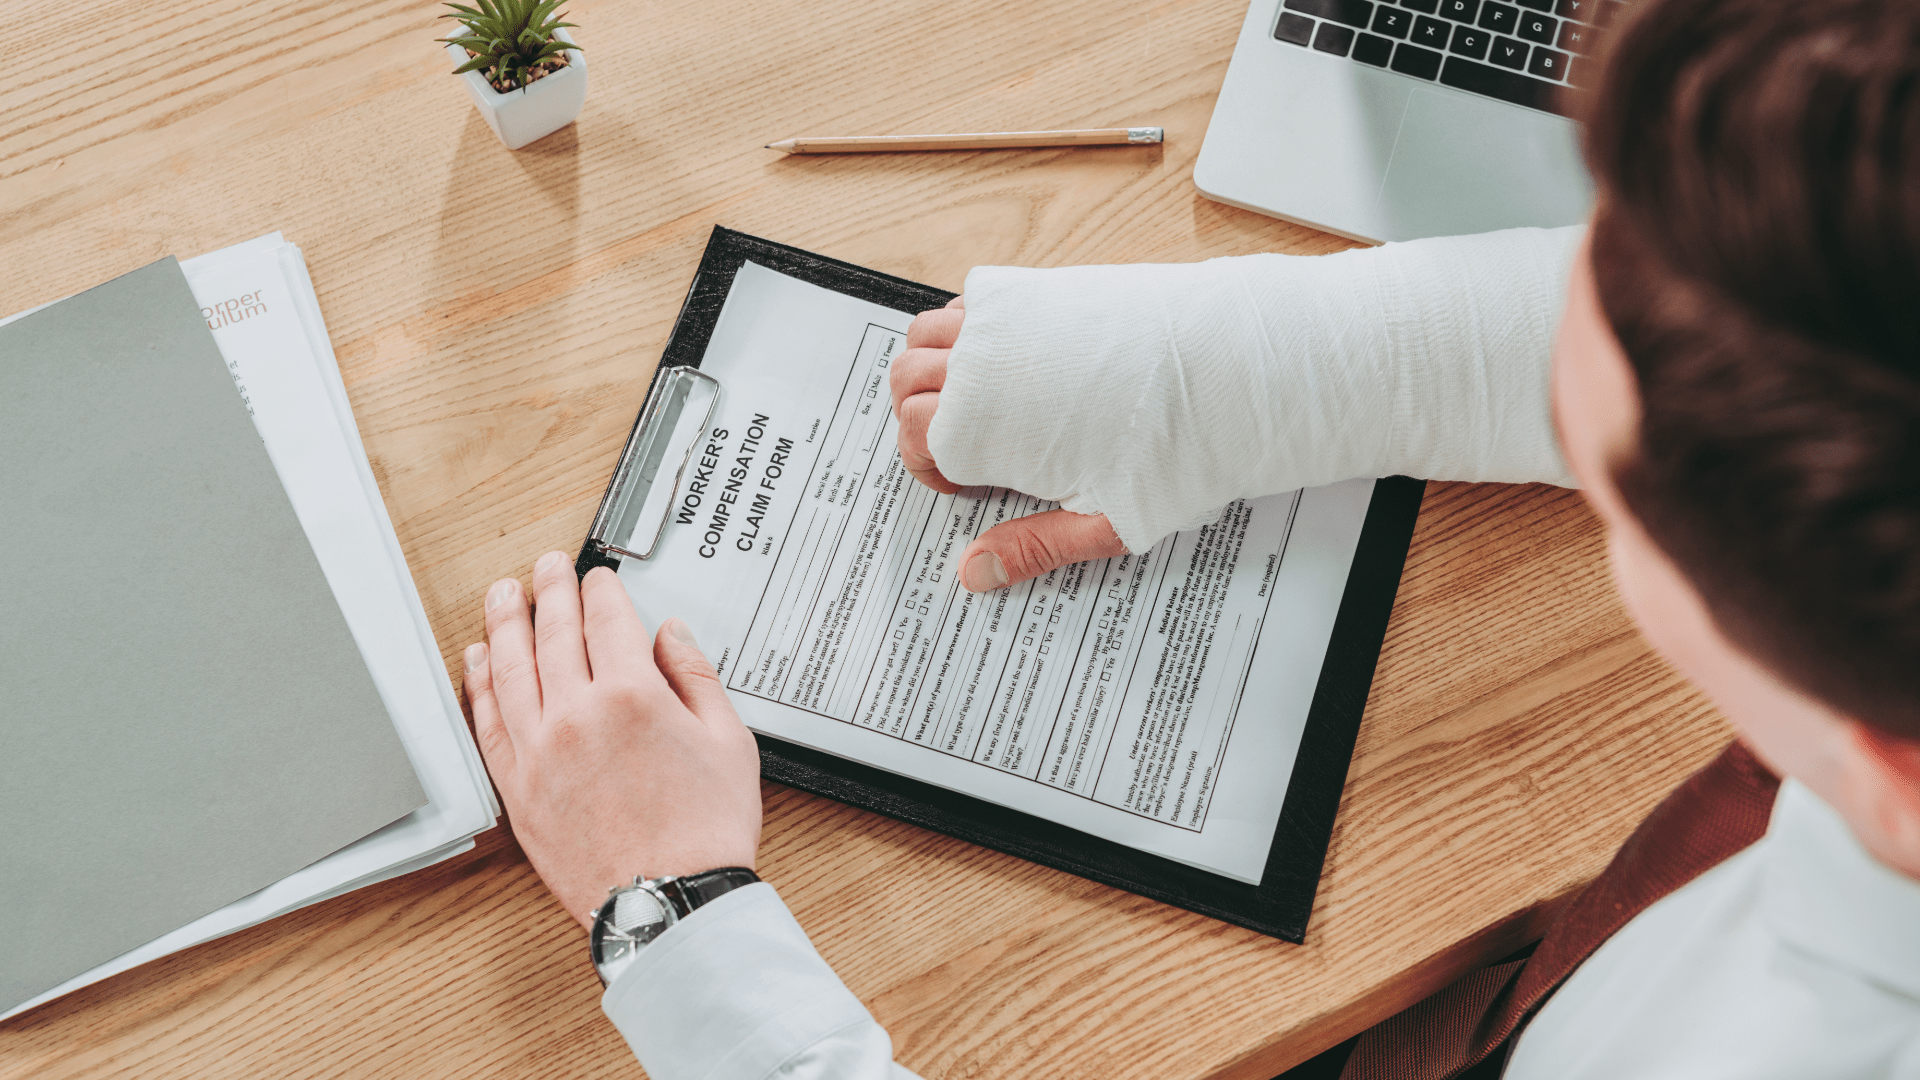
(681, 632)
(476, 654)
(550, 560)
(984, 573)
(502, 591)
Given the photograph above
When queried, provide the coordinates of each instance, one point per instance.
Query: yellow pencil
(982, 140)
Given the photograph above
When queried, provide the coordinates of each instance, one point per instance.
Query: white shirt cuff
(737, 992)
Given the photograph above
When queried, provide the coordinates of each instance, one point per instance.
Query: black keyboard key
(1372, 50)
(1471, 43)
(1351, 12)
(1509, 53)
(1335, 39)
(1391, 21)
(1459, 10)
(1425, 7)
(1430, 32)
(1609, 12)
(1576, 38)
(1547, 64)
(1499, 18)
(1505, 85)
(1584, 72)
(1413, 60)
(1295, 28)
(1577, 9)
(1540, 29)
(1538, 5)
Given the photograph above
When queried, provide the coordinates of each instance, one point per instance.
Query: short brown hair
(1757, 253)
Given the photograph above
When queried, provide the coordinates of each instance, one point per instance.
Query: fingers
(496, 746)
(915, 414)
(918, 371)
(936, 329)
(1013, 551)
(560, 649)
(693, 679)
(933, 479)
(616, 641)
(958, 301)
(516, 681)
(915, 381)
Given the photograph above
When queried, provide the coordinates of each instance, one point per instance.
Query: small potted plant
(525, 73)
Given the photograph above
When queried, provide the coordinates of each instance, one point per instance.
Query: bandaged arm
(1157, 394)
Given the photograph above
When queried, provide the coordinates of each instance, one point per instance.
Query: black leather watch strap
(695, 890)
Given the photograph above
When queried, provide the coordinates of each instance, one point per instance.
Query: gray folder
(184, 716)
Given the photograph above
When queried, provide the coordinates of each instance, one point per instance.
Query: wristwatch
(636, 914)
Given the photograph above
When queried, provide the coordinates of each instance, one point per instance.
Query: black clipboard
(1280, 904)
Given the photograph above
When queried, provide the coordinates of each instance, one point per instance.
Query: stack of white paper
(261, 307)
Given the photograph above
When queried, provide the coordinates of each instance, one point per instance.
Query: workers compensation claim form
(1156, 699)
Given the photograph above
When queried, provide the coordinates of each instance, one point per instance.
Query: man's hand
(615, 756)
(1011, 551)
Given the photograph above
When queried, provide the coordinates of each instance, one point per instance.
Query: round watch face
(629, 919)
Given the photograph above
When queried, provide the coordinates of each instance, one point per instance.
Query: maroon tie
(1714, 814)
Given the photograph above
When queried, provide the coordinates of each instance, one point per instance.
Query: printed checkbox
(1106, 676)
(1103, 624)
(1055, 619)
(911, 601)
(936, 577)
(898, 634)
(1028, 640)
(923, 608)
(874, 392)
(1113, 594)
(883, 362)
(1043, 650)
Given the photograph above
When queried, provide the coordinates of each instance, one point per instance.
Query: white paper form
(259, 302)
(1155, 699)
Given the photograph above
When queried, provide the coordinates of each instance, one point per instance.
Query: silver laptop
(1392, 121)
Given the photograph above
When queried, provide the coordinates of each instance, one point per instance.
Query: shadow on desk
(1325, 1066)
(1328, 1064)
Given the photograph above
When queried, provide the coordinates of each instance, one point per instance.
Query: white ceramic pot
(521, 116)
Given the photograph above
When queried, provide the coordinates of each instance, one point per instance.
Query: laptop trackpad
(1439, 182)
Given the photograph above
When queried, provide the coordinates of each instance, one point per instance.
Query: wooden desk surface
(497, 315)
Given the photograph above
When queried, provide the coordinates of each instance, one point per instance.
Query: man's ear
(1887, 792)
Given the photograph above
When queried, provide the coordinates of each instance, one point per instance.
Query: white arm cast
(737, 992)
(1157, 394)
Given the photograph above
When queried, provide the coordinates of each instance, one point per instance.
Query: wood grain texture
(497, 316)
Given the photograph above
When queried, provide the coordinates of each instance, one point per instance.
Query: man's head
(1738, 379)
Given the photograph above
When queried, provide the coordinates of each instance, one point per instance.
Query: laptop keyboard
(1524, 52)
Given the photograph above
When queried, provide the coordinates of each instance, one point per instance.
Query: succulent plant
(512, 41)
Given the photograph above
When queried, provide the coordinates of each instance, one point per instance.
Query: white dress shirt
(1799, 957)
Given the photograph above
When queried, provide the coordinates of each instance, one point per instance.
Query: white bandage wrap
(1157, 394)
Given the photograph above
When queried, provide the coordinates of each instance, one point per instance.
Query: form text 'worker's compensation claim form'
(1155, 699)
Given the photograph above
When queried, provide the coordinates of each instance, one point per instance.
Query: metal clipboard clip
(633, 479)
